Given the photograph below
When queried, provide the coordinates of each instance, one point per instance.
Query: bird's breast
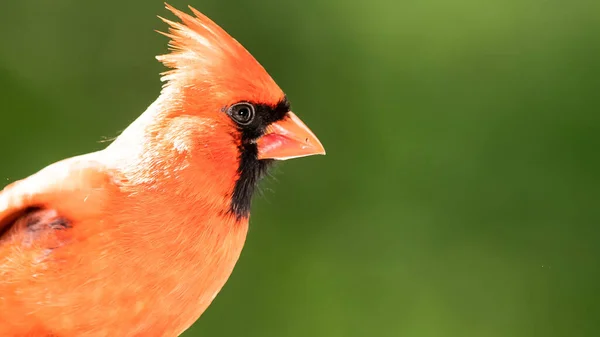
(175, 273)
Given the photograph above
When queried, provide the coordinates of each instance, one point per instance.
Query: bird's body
(138, 239)
(116, 270)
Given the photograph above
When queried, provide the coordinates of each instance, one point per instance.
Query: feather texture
(139, 238)
(205, 56)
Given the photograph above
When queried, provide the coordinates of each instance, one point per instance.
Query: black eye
(242, 113)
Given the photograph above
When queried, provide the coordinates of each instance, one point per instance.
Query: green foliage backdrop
(460, 193)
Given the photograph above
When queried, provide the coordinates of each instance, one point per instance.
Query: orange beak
(287, 139)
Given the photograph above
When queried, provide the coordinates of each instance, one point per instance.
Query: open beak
(289, 138)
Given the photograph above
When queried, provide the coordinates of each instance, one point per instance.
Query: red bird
(138, 239)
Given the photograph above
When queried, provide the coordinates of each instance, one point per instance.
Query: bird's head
(225, 100)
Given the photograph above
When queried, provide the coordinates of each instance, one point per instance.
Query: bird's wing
(54, 198)
(43, 221)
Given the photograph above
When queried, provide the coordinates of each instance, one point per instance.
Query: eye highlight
(242, 113)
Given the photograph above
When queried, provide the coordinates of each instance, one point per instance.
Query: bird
(137, 239)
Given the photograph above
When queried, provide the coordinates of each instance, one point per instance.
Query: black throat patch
(251, 169)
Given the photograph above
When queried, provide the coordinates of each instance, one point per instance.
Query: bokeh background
(460, 193)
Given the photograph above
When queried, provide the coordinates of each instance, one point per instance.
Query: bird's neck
(154, 152)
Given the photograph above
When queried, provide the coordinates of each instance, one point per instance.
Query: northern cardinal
(138, 239)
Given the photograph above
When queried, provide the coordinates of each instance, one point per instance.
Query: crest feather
(203, 54)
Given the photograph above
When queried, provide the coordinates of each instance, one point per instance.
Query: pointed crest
(205, 56)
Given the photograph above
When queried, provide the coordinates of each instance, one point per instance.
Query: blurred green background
(460, 193)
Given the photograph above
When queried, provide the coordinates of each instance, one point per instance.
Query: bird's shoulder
(57, 196)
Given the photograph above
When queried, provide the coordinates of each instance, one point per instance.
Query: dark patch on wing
(33, 223)
(7, 224)
(44, 220)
